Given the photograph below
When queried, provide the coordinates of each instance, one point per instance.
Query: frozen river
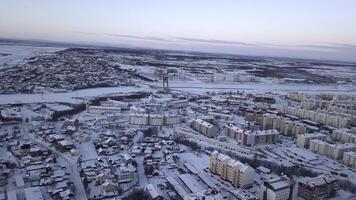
(68, 97)
(82, 95)
(260, 87)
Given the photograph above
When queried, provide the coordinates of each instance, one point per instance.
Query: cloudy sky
(324, 29)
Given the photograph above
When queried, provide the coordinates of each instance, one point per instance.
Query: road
(141, 172)
(70, 165)
(139, 159)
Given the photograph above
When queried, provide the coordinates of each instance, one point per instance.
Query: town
(177, 100)
(166, 143)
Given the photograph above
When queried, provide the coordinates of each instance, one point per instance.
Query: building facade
(335, 151)
(316, 188)
(349, 159)
(278, 188)
(204, 127)
(303, 140)
(234, 171)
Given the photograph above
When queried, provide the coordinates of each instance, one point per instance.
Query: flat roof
(177, 187)
(281, 184)
(192, 183)
(313, 135)
(33, 193)
(153, 191)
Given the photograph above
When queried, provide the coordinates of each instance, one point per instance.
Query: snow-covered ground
(194, 87)
(18, 53)
(69, 97)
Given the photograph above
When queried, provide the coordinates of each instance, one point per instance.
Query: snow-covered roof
(317, 181)
(277, 185)
(192, 183)
(33, 193)
(153, 192)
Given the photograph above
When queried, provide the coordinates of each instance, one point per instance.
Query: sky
(318, 29)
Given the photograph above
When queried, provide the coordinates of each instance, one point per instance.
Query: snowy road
(143, 181)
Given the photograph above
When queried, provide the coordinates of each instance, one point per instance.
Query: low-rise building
(276, 188)
(179, 104)
(113, 103)
(33, 193)
(126, 173)
(153, 193)
(240, 194)
(103, 109)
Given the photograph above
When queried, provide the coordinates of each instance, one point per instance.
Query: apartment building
(292, 128)
(319, 146)
(204, 127)
(138, 119)
(239, 174)
(154, 119)
(335, 151)
(338, 120)
(172, 119)
(254, 115)
(296, 96)
(310, 104)
(349, 159)
(271, 121)
(284, 125)
(233, 132)
(252, 138)
(303, 140)
(344, 135)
